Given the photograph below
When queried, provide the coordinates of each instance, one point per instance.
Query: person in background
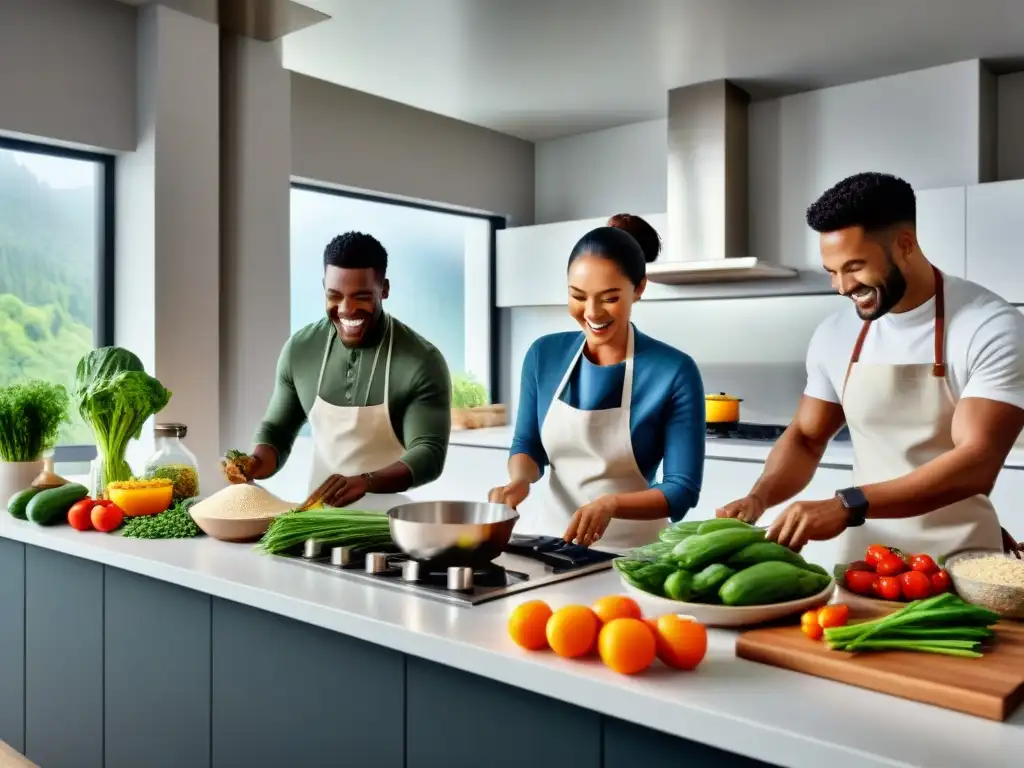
(926, 370)
(376, 394)
(606, 405)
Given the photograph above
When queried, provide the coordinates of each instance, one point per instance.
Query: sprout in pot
(467, 392)
(31, 415)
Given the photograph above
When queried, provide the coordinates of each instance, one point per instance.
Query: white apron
(900, 417)
(591, 455)
(353, 440)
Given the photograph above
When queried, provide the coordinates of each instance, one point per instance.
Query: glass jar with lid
(171, 460)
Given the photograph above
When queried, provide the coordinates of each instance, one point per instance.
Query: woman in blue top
(606, 406)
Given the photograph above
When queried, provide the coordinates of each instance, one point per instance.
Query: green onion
(333, 527)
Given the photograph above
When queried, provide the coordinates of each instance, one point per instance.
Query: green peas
(175, 523)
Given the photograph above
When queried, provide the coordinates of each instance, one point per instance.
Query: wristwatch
(856, 504)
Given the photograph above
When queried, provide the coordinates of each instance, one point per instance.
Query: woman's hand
(748, 509)
(591, 521)
(239, 467)
(510, 495)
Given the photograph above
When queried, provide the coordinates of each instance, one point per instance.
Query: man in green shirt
(377, 395)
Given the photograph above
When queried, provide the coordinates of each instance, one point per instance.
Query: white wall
(67, 71)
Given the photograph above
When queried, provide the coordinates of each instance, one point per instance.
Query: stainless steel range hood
(707, 238)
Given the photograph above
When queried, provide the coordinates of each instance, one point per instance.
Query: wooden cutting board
(990, 687)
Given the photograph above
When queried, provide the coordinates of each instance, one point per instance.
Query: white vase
(16, 476)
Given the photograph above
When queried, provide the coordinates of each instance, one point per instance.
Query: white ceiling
(545, 68)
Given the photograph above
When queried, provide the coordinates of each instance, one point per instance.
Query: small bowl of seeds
(992, 580)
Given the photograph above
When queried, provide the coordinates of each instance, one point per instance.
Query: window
(56, 252)
(440, 266)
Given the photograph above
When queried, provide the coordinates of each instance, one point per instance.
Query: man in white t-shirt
(926, 370)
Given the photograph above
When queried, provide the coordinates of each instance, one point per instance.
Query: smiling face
(868, 268)
(601, 299)
(354, 301)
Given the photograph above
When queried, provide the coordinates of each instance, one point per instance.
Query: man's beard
(888, 294)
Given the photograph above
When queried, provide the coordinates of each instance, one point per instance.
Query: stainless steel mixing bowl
(447, 533)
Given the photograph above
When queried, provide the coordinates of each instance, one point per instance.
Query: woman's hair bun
(642, 232)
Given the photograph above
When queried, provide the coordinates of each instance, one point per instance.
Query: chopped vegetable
(944, 624)
(115, 396)
(184, 478)
(175, 523)
(31, 415)
(333, 527)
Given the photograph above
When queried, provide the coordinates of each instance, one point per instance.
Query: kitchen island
(118, 652)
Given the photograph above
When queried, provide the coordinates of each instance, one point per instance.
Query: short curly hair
(356, 250)
(874, 201)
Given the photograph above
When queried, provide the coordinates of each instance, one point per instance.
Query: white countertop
(778, 716)
(838, 454)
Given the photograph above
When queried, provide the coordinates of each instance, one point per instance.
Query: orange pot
(721, 408)
(142, 497)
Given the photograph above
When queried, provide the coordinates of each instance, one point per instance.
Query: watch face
(853, 498)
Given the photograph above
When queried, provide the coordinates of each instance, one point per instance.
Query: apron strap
(627, 380)
(939, 364)
(387, 367)
(323, 363)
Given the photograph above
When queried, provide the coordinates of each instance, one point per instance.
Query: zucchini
(765, 552)
(703, 549)
(771, 582)
(721, 523)
(19, 502)
(707, 582)
(679, 531)
(52, 505)
(678, 586)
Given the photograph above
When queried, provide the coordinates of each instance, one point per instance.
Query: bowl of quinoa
(992, 580)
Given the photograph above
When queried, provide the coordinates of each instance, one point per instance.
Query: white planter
(16, 476)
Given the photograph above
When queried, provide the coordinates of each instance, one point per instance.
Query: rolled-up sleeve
(427, 422)
(683, 464)
(527, 430)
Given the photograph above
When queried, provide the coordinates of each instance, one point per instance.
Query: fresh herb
(115, 396)
(30, 418)
(333, 527)
(944, 624)
(467, 392)
(175, 523)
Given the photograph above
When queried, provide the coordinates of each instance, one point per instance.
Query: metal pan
(452, 533)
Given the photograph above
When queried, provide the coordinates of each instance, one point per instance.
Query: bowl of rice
(240, 512)
(992, 580)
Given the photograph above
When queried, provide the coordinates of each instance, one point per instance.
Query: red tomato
(875, 553)
(915, 585)
(891, 565)
(860, 582)
(940, 582)
(923, 563)
(887, 587)
(860, 565)
(106, 518)
(78, 515)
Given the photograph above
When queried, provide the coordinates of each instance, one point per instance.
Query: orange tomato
(681, 643)
(813, 631)
(106, 518)
(527, 626)
(572, 631)
(616, 607)
(833, 615)
(809, 618)
(627, 646)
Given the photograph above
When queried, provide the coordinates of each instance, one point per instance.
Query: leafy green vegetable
(467, 392)
(31, 415)
(333, 527)
(174, 523)
(115, 396)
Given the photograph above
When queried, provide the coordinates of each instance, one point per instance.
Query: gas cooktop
(739, 430)
(527, 563)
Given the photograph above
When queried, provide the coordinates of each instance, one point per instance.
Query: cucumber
(707, 582)
(19, 501)
(52, 505)
(765, 552)
(703, 549)
(679, 531)
(721, 523)
(678, 586)
(771, 582)
(814, 567)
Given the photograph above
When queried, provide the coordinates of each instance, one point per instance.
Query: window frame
(496, 222)
(103, 331)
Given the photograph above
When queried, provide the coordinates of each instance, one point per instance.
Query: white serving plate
(723, 615)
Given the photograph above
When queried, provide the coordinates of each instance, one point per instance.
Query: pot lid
(722, 397)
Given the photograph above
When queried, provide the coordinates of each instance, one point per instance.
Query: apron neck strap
(939, 364)
(627, 382)
(390, 336)
(323, 363)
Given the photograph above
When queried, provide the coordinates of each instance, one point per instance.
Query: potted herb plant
(470, 409)
(31, 415)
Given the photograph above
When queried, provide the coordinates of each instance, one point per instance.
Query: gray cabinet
(995, 255)
(12, 643)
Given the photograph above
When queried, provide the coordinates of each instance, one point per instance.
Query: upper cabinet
(941, 228)
(995, 254)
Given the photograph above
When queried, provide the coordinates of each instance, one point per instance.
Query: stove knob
(341, 556)
(411, 571)
(376, 562)
(311, 549)
(460, 579)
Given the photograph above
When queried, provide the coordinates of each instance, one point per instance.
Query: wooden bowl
(234, 529)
